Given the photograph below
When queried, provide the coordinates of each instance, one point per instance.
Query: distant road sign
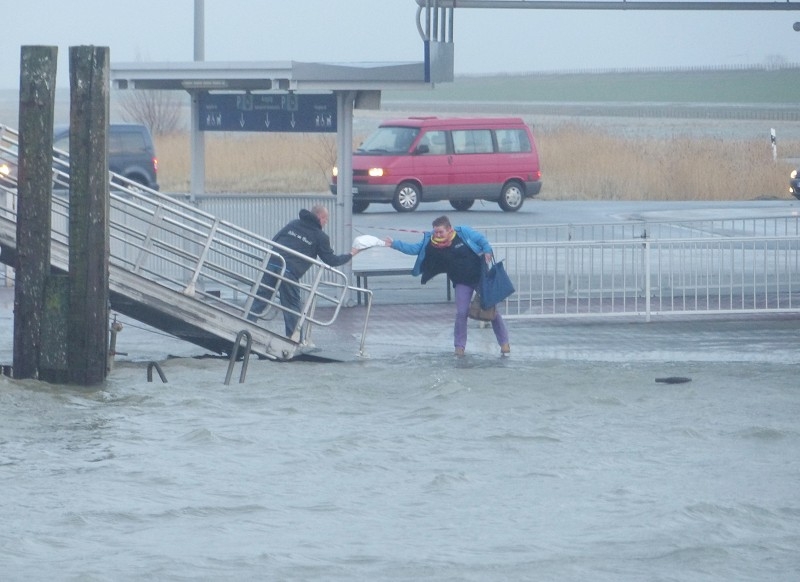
(285, 112)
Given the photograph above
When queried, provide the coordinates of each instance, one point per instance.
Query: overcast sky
(486, 40)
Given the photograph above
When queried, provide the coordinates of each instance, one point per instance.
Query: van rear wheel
(462, 204)
(359, 207)
(512, 197)
(406, 197)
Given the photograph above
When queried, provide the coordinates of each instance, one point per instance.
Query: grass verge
(579, 162)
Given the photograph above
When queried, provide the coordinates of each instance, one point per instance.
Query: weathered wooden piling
(61, 321)
(36, 112)
(87, 345)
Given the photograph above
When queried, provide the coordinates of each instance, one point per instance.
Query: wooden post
(34, 190)
(53, 365)
(87, 351)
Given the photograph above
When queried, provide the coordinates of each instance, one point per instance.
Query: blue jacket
(474, 240)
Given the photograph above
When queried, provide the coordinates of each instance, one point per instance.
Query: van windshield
(389, 140)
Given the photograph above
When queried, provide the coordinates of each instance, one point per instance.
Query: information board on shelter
(278, 112)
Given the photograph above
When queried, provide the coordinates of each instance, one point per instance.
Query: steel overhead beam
(618, 5)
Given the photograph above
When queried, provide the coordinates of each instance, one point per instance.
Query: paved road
(571, 212)
(381, 220)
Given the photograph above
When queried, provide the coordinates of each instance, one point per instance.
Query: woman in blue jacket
(456, 252)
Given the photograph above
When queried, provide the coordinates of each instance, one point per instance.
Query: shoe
(505, 349)
(459, 352)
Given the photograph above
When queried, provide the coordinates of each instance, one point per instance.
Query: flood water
(409, 465)
(551, 465)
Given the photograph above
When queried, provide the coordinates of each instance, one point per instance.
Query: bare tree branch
(160, 111)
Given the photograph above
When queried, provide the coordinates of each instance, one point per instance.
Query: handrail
(667, 276)
(237, 352)
(157, 367)
(183, 248)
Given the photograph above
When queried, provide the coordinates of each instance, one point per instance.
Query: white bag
(366, 241)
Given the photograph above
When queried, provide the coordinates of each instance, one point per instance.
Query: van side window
(472, 141)
(436, 142)
(512, 141)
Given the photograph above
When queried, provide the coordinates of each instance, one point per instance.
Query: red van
(426, 159)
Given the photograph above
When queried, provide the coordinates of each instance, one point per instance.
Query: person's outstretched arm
(404, 247)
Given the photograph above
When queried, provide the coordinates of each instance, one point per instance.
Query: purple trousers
(463, 295)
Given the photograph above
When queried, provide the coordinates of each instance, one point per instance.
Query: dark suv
(130, 152)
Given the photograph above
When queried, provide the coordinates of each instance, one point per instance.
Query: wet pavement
(407, 317)
(407, 320)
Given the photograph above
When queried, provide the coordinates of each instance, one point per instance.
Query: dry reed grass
(578, 163)
(268, 162)
(584, 163)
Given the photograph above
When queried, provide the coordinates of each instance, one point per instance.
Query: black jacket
(305, 235)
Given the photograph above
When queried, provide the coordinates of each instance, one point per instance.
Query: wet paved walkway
(409, 320)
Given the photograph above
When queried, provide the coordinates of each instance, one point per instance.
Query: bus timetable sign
(286, 112)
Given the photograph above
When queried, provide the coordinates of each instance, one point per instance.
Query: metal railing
(185, 249)
(640, 268)
(204, 257)
(702, 275)
(783, 225)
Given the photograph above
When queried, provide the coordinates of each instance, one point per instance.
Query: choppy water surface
(415, 467)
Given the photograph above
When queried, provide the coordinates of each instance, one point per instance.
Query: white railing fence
(704, 275)
(641, 268)
(787, 225)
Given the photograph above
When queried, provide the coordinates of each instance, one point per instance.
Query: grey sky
(486, 40)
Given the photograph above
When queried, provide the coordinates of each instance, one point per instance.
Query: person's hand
(354, 251)
(488, 257)
(388, 241)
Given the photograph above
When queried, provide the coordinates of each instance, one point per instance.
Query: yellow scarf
(443, 242)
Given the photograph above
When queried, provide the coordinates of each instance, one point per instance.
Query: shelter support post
(197, 185)
(343, 229)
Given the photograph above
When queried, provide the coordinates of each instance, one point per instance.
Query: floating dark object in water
(673, 380)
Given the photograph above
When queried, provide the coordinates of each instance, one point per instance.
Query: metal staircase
(181, 270)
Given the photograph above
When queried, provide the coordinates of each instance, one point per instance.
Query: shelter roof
(269, 75)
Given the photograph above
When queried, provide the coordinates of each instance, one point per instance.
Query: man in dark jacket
(305, 236)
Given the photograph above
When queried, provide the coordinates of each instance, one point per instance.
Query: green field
(735, 86)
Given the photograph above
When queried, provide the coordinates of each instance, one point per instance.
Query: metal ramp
(184, 271)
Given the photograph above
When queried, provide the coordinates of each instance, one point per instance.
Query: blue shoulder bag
(495, 285)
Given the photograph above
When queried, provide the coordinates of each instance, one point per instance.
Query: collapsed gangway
(184, 271)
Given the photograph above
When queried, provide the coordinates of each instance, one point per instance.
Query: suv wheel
(406, 197)
(511, 197)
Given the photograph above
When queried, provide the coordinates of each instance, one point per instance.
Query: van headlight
(376, 172)
(335, 171)
(793, 175)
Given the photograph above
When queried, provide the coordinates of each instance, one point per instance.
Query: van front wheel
(511, 197)
(406, 197)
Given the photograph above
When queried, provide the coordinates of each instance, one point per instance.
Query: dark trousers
(289, 295)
